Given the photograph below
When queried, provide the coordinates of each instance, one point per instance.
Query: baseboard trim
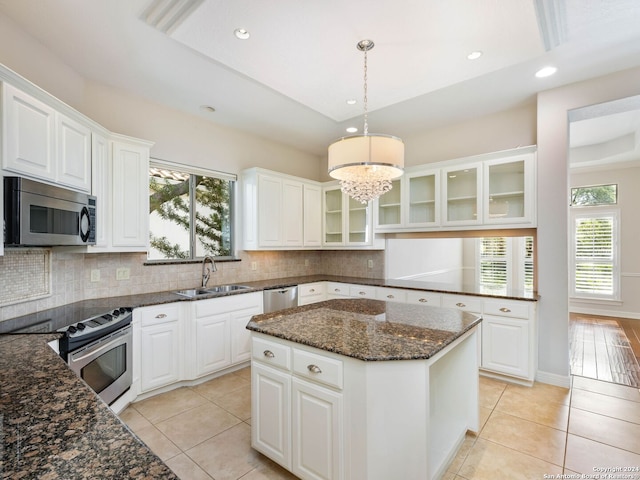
(553, 379)
(604, 313)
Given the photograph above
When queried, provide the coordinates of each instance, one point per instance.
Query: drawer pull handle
(423, 300)
(268, 354)
(161, 315)
(314, 369)
(390, 296)
(362, 293)
(505, 310)
(312, 290)
(336, 289)
(460, 304)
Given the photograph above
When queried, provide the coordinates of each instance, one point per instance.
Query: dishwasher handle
(280, 298)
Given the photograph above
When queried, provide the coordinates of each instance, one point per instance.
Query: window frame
(193, 171)
(594, 212)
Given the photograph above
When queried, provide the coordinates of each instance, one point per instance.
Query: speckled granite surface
(52, 425)
(369, 330)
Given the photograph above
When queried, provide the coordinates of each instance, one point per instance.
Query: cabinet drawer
(334, 288)
(391, 294)
(462, 302)
(317, 368)
(159, 314)
(362, 291)
(271, 353)
(506, 308)
(423, 298)
(310, 289)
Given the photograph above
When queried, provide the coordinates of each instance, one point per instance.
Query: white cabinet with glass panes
(508, 190)
(461, 191)
(390, 207)
(347, 222)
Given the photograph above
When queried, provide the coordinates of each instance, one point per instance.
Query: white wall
(628, 181)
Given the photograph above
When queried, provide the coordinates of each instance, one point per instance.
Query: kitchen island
(364, 389)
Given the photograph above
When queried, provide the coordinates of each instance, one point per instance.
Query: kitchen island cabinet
(364, 389)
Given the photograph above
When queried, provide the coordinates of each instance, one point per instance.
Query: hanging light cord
(366, 119)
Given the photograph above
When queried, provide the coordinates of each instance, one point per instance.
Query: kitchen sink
(219, 289)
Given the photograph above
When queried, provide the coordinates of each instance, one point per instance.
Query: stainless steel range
(99, 350)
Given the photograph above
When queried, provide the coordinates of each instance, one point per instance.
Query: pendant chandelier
(366, 164)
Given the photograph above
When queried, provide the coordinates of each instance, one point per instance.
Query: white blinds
(493, 261)
(594, 255)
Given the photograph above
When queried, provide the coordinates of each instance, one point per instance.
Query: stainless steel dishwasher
(280, 298)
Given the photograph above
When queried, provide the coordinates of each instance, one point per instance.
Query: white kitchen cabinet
(161, 346)
(130, 194)
(42, 143)
(466, 303)
(101, 188)
(245, 307)
(362, 291)
(424, 298)
(338, 290)
(347, 222)
(211, 338)
(311, 293)
(280, 211)
(508, 332)
(462, 194)
(391, 294)
(390, 207)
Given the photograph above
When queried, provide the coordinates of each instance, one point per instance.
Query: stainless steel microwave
(38, 214)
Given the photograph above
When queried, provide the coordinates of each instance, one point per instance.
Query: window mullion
(192, 216)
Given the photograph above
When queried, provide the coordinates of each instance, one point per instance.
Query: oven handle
(100, 344)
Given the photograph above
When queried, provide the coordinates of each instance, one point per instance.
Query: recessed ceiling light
(241, 33)
(352, 101)
(546, 71)
(352, 129)
(474, 55)
(207, 108)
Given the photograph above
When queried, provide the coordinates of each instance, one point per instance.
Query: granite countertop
(53, 426)
(370, 330)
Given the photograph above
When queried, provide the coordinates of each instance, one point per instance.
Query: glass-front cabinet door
(359, 226)
(461, 191)
(333, 224)
(390, 207)
(508, 186)
(423, 199)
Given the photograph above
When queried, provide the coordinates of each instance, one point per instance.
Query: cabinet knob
(460, 304)
(423, 300)
(268, 354)
(312, 290)
(336, 289)
(505, 310)
(161, 315)
(390, 296)
(362, 293)
(314, 369)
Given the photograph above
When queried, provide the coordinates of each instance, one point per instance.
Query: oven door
(105, 365)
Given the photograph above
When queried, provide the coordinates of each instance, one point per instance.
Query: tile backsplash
(57, 277)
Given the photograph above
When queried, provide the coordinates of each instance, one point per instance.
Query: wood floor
(605, 348)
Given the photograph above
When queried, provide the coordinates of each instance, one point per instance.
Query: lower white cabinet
(211, 339)
(311, 293)
(337, 290)
(160, 346)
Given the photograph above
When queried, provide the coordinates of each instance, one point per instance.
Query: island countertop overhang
(368, 330)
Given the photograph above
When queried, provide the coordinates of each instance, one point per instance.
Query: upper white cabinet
(473, 193)
(280, 211)
(42, 143)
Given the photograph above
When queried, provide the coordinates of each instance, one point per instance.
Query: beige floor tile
(158, 443)
(237, 403)
(221, 386)
(606, 388)
(490, 392)
(186, 469)
(190, 428)
(134, 419)
(227, 456)
(603, 429)
(606, 405)
(542, 392)
(268, 470)
(484, 416)
(244, 373)
(583, 455)
(166, 405)
(551, 414)
(488, 460)
(463, 452)
(537, 440)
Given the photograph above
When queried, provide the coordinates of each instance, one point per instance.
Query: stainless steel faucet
(206, 274)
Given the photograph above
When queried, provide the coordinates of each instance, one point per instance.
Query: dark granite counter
(53, 426)
(369, 330)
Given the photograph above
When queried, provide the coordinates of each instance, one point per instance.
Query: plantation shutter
(493, 261)
(594, 255)
(528, 263)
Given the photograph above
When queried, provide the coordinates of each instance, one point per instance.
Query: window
(191, 212)
(505, 262)
(595, 269)
(596, 195)
(493, 261)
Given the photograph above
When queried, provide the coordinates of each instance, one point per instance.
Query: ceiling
(291, 79)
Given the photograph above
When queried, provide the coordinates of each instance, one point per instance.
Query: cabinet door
(101, 187)
(462, 194)
(270, 214)
(160, 355)
(422, 199)
(130, 203)
(271, 413)
(505, 345)
(292, 212)
(390, 207)
(333, 217)
(358, 220)
(317, 432)
(240, 336)
(312, 215)
(212, 343)
(74, 154)
(508, 187)
(28, 134)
